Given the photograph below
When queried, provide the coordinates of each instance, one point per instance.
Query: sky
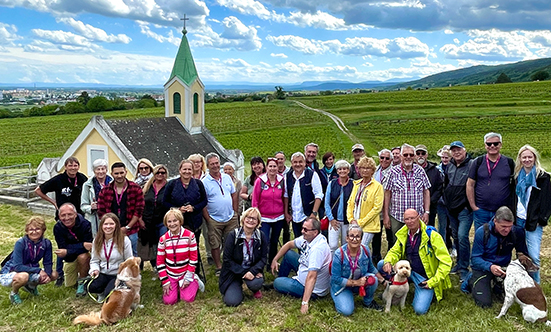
(134, 42)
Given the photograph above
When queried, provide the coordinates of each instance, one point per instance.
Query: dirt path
(335, 119)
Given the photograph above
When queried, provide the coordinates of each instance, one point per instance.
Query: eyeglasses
(161, 172)
(251, 219)
(421, 153)
(143, 168)
(354, 237)
(493, 143)
(385, 158)
(408, 155)
(35, 230)
(304, 229)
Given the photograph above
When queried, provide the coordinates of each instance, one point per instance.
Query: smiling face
(458, 154)
(298, 164)
(214, 166)
(311, 152)
(329, 162)
(160, 175)
(271, 167)
(411, 219)
(100, 172)
(34, 232)
(119, 174)
(197, 165)
(280, 160)
(354, 238)
(228, 170)
(251, 221)
(72, 169)
(408, 156)
(108, 227)
(366, 172)
(493, 146)
(445, 159)
(385, 159)
(358, 154)
(173, 224)
(528, 159)
(67, 216)
(186, 171)
(396, 157)
(144, 169)
(420, 157)
(257, 168)
(308, 232)
(343, 173)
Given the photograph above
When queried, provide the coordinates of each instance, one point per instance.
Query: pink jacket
(268, 197)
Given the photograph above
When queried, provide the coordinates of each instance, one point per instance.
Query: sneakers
(101, 298)
(465, 287)
(210, 261)
(257, 295)
(201, 285)
(453, 253)
(373, 305)
(217, 272)
(59, 282)
(81, 288)
(15, 298)
(455, 269)
(31, 290)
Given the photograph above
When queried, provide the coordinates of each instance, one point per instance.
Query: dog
(520, 287)
(397, 289)
(124, 298)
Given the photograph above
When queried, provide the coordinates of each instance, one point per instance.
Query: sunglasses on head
(493, 143)
(421, 153)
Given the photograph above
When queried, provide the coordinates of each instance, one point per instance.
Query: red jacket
(134, 202)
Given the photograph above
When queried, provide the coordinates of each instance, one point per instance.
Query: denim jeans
(443, 222)
(289, 286)
(272, 231)
(422, 298)
(344, 301)
(461, 224)
(481, 217)
(134, 240)
(533, 243)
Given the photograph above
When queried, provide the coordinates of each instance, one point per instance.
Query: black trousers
(104, 283)
(234, 294)
(483, 285)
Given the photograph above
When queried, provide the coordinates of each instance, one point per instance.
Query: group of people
(242, 222)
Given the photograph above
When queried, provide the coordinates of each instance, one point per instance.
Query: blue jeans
(289, 286)
(443, 220)
(461, 224)
(134, 239)
(422, 298)
(481, 217)
(533, 243)
(272, 230)
(344, 301)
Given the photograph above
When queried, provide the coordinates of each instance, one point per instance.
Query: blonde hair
(38, 221)
(118, 237)
(367, 162)
(196, 157)
(176, 213)
(152, 179)
(143, 161)
(250, 211)
(518, 164)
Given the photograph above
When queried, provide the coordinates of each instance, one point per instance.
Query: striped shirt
(177, 256)
(407, 190)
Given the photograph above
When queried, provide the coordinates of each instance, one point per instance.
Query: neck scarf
(525, 181)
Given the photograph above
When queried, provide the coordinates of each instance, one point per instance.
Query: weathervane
(184, 19)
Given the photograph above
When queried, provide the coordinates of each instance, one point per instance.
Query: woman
(144, 172)
(257, 168)
(229, 168)
(329, 169)
(351, 270)
(176, 260)
(199, 165)
(90, 192)
(336, 201)
(444, 229)
(533, 196)
(268, 199)
(153, 214)
(23, 268)
(109, 250)
(366, 201)
(245, 252)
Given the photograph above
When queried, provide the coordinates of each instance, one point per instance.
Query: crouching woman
(353, 272)
(22, 270)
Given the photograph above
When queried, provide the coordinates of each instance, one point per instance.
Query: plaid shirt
(407, 190)
(134, 202)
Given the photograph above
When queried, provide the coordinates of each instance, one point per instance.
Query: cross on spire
(184, 19)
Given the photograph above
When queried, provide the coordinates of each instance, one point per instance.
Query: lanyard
(34, 249)
(119, 198)
(491, 169)
(360, 193)
(219, 183)
(73, 184)
(108, 255)
(157, 193)
(353, 266)
(248, 245)
(405, 174)
(72, 233)
(412, 240)
(175, 246)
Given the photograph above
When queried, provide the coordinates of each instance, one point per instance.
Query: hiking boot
(59, 282)
(31, 290)
(373, 305)
(465, 287)
(81, 288)
(210, 261)
(257, 295)
(15, 298)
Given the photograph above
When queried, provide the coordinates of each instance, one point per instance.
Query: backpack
(486, 227)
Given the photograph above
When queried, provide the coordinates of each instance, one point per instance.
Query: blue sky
(270, 41)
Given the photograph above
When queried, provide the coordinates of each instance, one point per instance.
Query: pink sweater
(268, 197)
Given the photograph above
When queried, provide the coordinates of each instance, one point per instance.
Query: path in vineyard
(333, 117)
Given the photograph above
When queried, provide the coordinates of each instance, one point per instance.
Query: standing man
(73, 235)
(358, 152)
(221, 210)
(381, 174)
(407, 188)
(304, 192)
(125, 199)
(396, 156)
(282, 169)
(312, 265)
(67, 187)
(459, 210)
(435, 176)
(490, 182)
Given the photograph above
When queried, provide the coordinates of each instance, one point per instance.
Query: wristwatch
(315, 213)
(304, 302)
(127, 227)
(427, 212)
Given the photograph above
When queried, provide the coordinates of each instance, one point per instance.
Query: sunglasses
(385, 158)
(143, 168)
(161, 172)
(420, 153)
(408, 155)
(493, 143)
(304, 229)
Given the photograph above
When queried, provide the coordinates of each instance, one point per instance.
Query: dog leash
(89, 281)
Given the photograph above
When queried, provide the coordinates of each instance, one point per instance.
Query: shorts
(70, 270)
(219, 230)
(6, 279)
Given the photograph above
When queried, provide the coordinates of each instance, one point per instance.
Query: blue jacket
(74, 245)
(176, 196)
(340, 268)
(306, 192)
(22, 261)
(484, 256)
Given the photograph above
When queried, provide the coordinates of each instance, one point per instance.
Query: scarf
(524, 182)
(141, 180)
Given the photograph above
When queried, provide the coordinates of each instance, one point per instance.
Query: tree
(84, 98)
(148, 97)
(279, 93)
(540, 76)
(503, 78)
(99, 104)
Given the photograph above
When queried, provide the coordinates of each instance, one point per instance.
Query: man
(73, 235)
(312, 265)
(380, 176)
(490, 181)
(67, 187)
(459, 210)
(492, 250)
(407, 187)
(221, 210)
(428, 255)
(304, 191)
(282, 169)
(125, 199)
(396, 156)
(358, 152)
(435, 176)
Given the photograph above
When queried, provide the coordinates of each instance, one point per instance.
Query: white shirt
(296, 201)
(521, 210)
(315, 256)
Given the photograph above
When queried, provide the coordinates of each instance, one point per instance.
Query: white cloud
(8, 34)
(448, 32)
(250, 7)
(235, 35)
(94, 33)
(62, 37)
(279, 55)
(144, 29)
(321, 20)
(237, 63)
(416, 70)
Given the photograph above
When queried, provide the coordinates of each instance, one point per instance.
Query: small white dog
(397, 289)
(520, 287)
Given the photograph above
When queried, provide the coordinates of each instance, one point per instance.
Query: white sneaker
(201, 285)
(453, 253)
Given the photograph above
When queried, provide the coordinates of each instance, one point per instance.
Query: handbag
(325, 221)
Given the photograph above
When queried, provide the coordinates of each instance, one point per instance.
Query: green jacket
(435, 258)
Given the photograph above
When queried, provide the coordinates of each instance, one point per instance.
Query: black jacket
(436, 180)
(539, 205)
(74, 240)
(455, 185)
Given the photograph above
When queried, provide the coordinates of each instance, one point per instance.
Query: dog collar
(396, 282)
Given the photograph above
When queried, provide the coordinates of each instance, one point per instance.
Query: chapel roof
(184, 66)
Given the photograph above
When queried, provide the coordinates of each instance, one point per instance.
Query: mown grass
(55, 308)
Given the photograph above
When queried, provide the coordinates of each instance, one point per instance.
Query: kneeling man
(428, 255)
(312, 265)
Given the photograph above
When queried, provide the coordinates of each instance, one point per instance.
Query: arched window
(177, 99)
(195, 103)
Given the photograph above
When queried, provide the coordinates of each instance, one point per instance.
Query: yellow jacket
(370, 208)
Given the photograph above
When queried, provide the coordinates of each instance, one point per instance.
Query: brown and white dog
(122, 300)
(520, 287)
(397, 289)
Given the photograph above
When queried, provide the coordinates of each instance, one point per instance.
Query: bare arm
(426, 205)
(235, 202)
(386, 205)
(308, 289)
(470, 193)
(244, 194)
(317, 204)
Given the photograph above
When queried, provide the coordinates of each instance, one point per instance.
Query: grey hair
(353, 228)
(406, 146)
(229, 163)
(384, 151)
(210, 156)
(98, 163)
(298, 154)
(504, 214)
(316, 224)
(492, 135)
(311, 144)
(342, 164)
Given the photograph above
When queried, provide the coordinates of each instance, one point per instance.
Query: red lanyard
(174, 247)
(353, 266)
(108, 255)
(405, 174)
(491, 169)
(119, 198)
(73, 234)
(73, 184)
(412, 241)
(157, 193)
(248, 245)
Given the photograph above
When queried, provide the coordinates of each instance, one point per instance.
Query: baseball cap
(458, 144)
(358, 146)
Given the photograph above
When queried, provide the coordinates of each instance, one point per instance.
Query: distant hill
(517, 72)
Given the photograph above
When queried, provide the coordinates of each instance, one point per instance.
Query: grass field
(55, 308)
